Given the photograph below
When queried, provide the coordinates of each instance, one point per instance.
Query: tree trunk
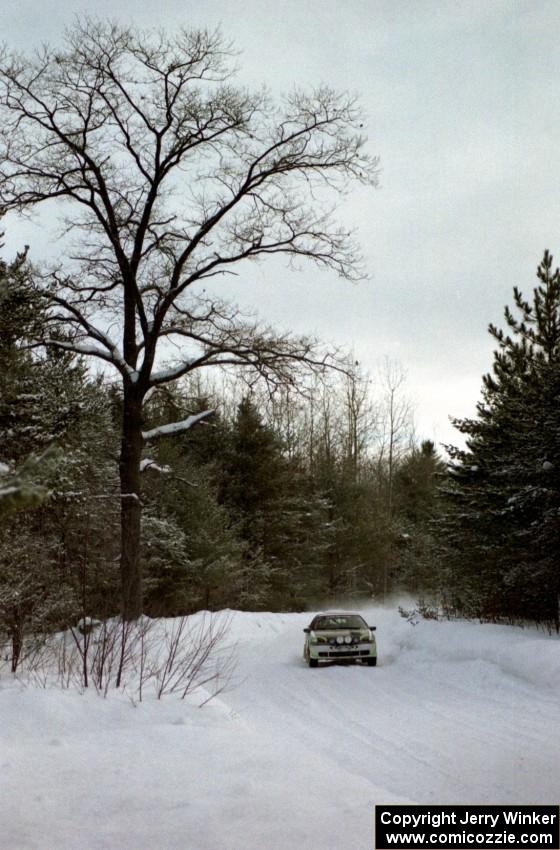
(17, 640)
(131, 506)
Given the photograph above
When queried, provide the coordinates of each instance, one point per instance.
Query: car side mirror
(307, 631)
(373, 628)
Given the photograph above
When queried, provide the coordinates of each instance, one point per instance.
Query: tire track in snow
(464, 729)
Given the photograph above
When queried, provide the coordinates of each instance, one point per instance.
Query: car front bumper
(330, 652)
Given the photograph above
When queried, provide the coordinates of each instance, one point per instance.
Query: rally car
(339, 637)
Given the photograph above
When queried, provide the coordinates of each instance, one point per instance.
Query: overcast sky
(461, 104)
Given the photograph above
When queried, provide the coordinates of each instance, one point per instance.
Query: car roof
(338, 614)
(335, 614)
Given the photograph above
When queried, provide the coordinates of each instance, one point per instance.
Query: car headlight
(348, 639)
(340, 639)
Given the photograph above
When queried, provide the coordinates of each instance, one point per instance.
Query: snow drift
(290, 757)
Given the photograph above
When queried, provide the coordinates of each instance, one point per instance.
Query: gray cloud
(461, 105)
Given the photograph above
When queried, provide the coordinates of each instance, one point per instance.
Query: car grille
(345, 652)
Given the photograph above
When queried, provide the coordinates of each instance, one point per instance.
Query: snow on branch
(94, 351)
(167, 375)
(149, 464)
(176, 427)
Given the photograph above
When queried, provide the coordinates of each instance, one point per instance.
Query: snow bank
(291, 757)
(527, 654)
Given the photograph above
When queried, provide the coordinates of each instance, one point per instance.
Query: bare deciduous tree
(170, 176)
(397, 421)
(361, 417)
(397, 436)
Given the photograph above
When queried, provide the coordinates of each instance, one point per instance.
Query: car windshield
(336, 621)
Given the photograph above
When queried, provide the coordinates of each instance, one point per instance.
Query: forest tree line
(274, 501)
(282, 500)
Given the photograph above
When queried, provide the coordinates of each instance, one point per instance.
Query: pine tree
(57, 457)
(253, 487)
(502, 530)
(282, 519)
(192, 551)
(416, 481)
(57, 561)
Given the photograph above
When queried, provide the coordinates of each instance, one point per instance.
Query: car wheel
(313, 662)
(372, 662)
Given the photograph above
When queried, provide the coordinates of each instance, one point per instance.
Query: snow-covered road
(291, 757)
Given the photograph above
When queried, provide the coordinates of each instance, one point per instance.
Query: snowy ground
(292, 757)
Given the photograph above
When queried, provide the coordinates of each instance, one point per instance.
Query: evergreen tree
(416, 483)
(253, 487)
(192, 551)
(501, 533)
(57, 562)
(283, 521)
(56, 448)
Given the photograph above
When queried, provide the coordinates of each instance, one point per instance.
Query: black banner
(467, 827)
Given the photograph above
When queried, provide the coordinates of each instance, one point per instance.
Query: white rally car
(339, 637)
